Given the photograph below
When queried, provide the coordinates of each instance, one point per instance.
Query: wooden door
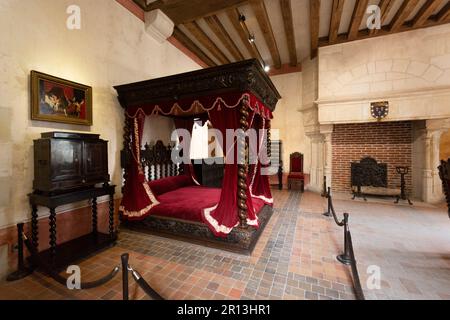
(67, 160)
(96, 161)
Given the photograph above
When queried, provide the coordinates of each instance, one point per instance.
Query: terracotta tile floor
(294, 258)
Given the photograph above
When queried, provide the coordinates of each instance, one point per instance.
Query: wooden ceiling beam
(444, 13)
(259, 8)
(385, 8)
(385, 30)
(425, 12)
(191, 46)
(336, 15)
(314, 26)
(221, 33)
(286, 11)
(402, 14)
(142, 4)
(234, 16)
(183, 11)
(203, 38)
(357, 17)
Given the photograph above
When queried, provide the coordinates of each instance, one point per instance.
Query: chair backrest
(296, 162)
(444, 173)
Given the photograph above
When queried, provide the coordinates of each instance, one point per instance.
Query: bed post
(243, 168)
(269, 142)
(125, 154)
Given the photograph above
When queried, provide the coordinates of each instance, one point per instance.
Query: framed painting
(58, 100)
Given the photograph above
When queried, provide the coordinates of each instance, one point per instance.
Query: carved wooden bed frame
(157, 163)
(240, 77)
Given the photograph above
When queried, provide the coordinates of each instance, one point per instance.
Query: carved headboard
(444, 173)
(157, 162)
(369, 173)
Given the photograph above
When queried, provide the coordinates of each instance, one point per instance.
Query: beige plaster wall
(288, 120)
(111, 48)
(158, 128)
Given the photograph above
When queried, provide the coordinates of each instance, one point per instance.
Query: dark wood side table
(62, 255)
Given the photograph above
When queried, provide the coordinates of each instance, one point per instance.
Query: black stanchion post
(125, 257)
(345, 257)
(328, 196)
(22, 271)
(324, 190)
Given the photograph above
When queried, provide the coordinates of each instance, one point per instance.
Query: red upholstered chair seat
(296, 175)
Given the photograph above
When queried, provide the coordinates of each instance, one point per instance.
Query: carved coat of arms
(379, 110)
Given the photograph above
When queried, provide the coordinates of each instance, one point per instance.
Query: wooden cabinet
(67, 169)
(68, 161)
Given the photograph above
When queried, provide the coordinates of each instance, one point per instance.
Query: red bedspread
(188, 203)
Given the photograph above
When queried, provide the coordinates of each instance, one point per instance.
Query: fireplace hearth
(369, 173)
(370, 178)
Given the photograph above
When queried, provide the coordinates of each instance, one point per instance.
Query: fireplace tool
(403, 171)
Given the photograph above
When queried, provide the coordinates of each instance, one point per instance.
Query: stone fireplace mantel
(427, 109)
(422, 104)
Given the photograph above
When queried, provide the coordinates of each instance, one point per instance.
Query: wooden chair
(296, 175)
(444, 173)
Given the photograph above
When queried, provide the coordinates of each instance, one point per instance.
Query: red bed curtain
(138, 198)
(224, 217)
(258, 181)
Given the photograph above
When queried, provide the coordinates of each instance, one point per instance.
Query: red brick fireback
(387, 142)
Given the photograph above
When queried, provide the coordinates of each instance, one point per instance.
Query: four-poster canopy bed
(165, 198)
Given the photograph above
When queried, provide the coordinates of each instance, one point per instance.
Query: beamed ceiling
(284, 32)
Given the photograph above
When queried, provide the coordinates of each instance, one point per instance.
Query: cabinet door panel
(95, 160)
(67, 162)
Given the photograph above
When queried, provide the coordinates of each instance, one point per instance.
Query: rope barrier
(144, 285)
(60, 279)
(39, 262)
(356, 281)
(348, 257)
(126, 268)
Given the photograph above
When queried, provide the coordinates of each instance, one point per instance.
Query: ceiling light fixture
(266, 68)
(252, 40)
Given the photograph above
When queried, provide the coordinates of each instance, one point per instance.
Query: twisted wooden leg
(94, 217)
(52, 235)
(112, 233)
(34, 227)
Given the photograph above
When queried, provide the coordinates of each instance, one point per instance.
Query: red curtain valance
(190, 106)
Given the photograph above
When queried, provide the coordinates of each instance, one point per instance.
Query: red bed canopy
(235, 96)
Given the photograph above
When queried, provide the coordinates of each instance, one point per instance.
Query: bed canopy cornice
(241, 77)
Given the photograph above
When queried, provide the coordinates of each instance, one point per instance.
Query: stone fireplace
(390, 143)
(341, 85)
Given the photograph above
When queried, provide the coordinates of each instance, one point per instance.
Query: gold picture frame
(58, 100)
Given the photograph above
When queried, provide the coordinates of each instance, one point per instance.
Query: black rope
(333, 212)
(357, 283)
(144, 285)
(348, 244)
(60, 279)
